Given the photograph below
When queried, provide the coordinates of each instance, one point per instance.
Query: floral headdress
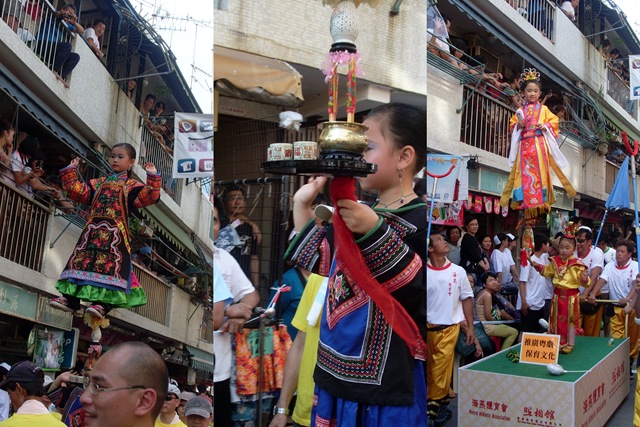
(529, 75)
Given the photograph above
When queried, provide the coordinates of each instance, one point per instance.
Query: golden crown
(570, 230)
(530, 74)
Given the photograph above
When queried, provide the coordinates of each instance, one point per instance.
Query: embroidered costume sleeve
(390, 260)
(149, 194)
(311, 249)
(76, 190)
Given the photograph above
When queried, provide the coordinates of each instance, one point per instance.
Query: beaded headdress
(529, 74)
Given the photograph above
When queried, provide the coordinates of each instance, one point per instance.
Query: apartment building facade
(172, 239)
(467, 116)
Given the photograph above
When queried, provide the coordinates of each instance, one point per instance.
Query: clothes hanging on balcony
(533, 152)
(99, 269)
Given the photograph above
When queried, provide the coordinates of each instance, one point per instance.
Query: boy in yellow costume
(534, 150)
(568, 274)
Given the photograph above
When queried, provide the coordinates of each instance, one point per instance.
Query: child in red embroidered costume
(99, 269)
(568, 274)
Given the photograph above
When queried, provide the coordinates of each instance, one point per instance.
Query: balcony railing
(157, 292)
(485, 122)
(540, 13)
(32, 21)
(24, 227)
(618, 89)
(152, 151)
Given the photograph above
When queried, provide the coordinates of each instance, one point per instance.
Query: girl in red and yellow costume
(534, 150)
(568, 274)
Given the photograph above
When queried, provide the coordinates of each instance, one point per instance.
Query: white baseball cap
(173, 389)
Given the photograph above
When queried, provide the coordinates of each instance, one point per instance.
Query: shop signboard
(563, 200)
(18, 302)
(70, 348)
(48, 348)
(449, 166)
(493, 182)
(50, 316)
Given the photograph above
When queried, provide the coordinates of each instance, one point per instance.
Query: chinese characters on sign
(538, 417)
(539, 349)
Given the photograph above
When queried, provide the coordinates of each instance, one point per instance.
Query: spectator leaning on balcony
(92, 36)
(7, 133)
(26, 164)
(50, 38)
(569, 8)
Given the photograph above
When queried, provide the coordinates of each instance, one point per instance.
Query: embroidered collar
(122, 176)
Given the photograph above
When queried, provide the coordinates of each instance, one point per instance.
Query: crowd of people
(350, 361)
(128, 386)
(561, 276)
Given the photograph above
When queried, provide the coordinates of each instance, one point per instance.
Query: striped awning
(200, 359)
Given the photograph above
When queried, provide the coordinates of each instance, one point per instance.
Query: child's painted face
(531, 92)
(566, 249)
(120, 160)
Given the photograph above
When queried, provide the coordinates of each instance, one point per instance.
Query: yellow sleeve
(512, 122)
(304, 306)
(547, 117)
(549, 271)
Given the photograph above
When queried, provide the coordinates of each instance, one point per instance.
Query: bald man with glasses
(126, 388)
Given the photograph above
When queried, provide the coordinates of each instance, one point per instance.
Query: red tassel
(523, 258)
(349, 259)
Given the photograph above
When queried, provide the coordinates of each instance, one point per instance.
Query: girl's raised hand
(150, 168)
(359, 218)
(310, 190)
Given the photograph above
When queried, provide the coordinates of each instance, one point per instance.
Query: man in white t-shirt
(535, 289)
(92, 36)
(569, 8)
(502, 262)
(449, 302)
(609, 256)
(620, 276)
(593, 258)
(245, 299)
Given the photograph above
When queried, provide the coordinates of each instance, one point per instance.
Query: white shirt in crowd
(593, 259)
(446, 288)
(538, 287)
(619, 279)
(239, 286)
(501, 262)
(609, 255)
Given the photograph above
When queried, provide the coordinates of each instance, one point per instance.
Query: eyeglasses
(169, 398)
(581, 240)
(95, 389)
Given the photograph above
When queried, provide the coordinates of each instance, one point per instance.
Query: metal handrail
(24, 227)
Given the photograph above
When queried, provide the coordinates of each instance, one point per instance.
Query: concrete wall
(98, 110)
(391, 47)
